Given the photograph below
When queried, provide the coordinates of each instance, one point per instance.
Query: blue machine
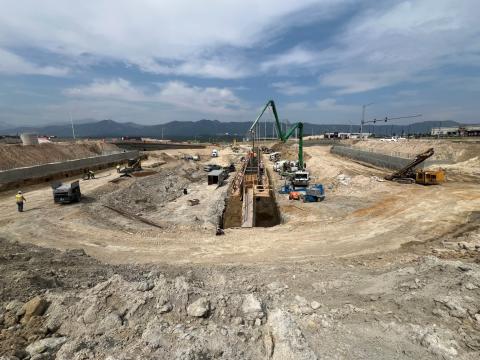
(285, 189)
(314, 193)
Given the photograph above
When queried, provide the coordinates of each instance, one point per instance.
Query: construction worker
(91, 174)
(20, 199)
(118, 168)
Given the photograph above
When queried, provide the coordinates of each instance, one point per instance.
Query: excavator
(299, 177)
(132, 166)
(410, 175)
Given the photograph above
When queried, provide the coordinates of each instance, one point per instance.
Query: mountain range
(204, 129)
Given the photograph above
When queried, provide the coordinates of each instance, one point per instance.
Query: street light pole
(363, 119)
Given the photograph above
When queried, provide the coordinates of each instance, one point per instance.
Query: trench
(265, 210)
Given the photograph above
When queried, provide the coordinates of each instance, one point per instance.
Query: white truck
(300, 178)
(274, 156)
(278, 165)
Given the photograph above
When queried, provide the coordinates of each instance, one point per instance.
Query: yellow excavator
(410, 175)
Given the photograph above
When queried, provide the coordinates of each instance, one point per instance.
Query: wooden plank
(247, 210)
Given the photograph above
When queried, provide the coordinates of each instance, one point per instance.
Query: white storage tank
(29, 139)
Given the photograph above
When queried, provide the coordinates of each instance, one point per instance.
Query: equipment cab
(301, 178)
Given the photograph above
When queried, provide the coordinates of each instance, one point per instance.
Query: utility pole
(73, 128)
(363, 119)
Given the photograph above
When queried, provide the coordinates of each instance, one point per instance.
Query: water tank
(29, 139)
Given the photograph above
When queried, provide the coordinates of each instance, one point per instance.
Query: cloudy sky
(153, 61)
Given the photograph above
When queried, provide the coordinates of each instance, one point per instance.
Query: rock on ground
(252, 307)
(199, 308)
(286, 341)
(45, 345)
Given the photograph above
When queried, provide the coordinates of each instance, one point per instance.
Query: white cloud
(296, 105)
(386, 45)
(118, 89)
(396, 44)
(183, 37)
(208, 100)
(12, 64)
(295, 57)
(212, 68)
(289, 88)
(330, 104)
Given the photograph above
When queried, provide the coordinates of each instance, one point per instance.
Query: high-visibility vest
(19, 198)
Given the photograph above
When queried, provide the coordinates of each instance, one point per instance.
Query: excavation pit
(251, 200)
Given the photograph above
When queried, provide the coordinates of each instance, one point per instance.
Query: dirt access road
(360, 215)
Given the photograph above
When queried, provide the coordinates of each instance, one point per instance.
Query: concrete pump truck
(299, 177)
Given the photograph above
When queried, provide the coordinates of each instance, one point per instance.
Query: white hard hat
(19, 192)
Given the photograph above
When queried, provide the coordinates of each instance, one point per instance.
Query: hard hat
(19, 192)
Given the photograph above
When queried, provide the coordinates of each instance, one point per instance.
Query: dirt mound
(14, 156)
(374, 307)
(289, 151)
(444, 149)
(161, 198)
(146, 195)
(161, 156)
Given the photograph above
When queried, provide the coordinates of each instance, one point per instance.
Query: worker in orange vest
(20, 199)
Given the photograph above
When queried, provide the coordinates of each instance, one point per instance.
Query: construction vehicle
(314, 194)
(88, 175)
(409, 174)
(294, 195)
(303, 175)
(430, 177)
(300, 178)
(211, 167)
(274, 156)
(132, 166)
(66, 193)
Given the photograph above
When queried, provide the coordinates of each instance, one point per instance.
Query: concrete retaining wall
(47, 172)
(320, 142)
(376, 159)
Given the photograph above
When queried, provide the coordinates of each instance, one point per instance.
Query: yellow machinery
(430, 177)
(409, 175)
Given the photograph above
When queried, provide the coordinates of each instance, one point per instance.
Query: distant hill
(4, 125)
(209, 129)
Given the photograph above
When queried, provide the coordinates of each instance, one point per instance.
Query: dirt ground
(378, 270)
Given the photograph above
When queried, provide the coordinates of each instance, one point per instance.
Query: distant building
(29, 139)
(346, 135)
(463, 130)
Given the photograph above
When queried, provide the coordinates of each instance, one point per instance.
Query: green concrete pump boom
(281, 135)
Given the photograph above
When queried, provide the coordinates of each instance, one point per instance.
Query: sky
(155, 61)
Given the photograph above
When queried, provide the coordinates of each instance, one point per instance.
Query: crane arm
(283, 136)
(270, 103)
(290, 132)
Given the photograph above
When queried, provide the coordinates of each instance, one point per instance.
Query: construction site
(262, 249)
